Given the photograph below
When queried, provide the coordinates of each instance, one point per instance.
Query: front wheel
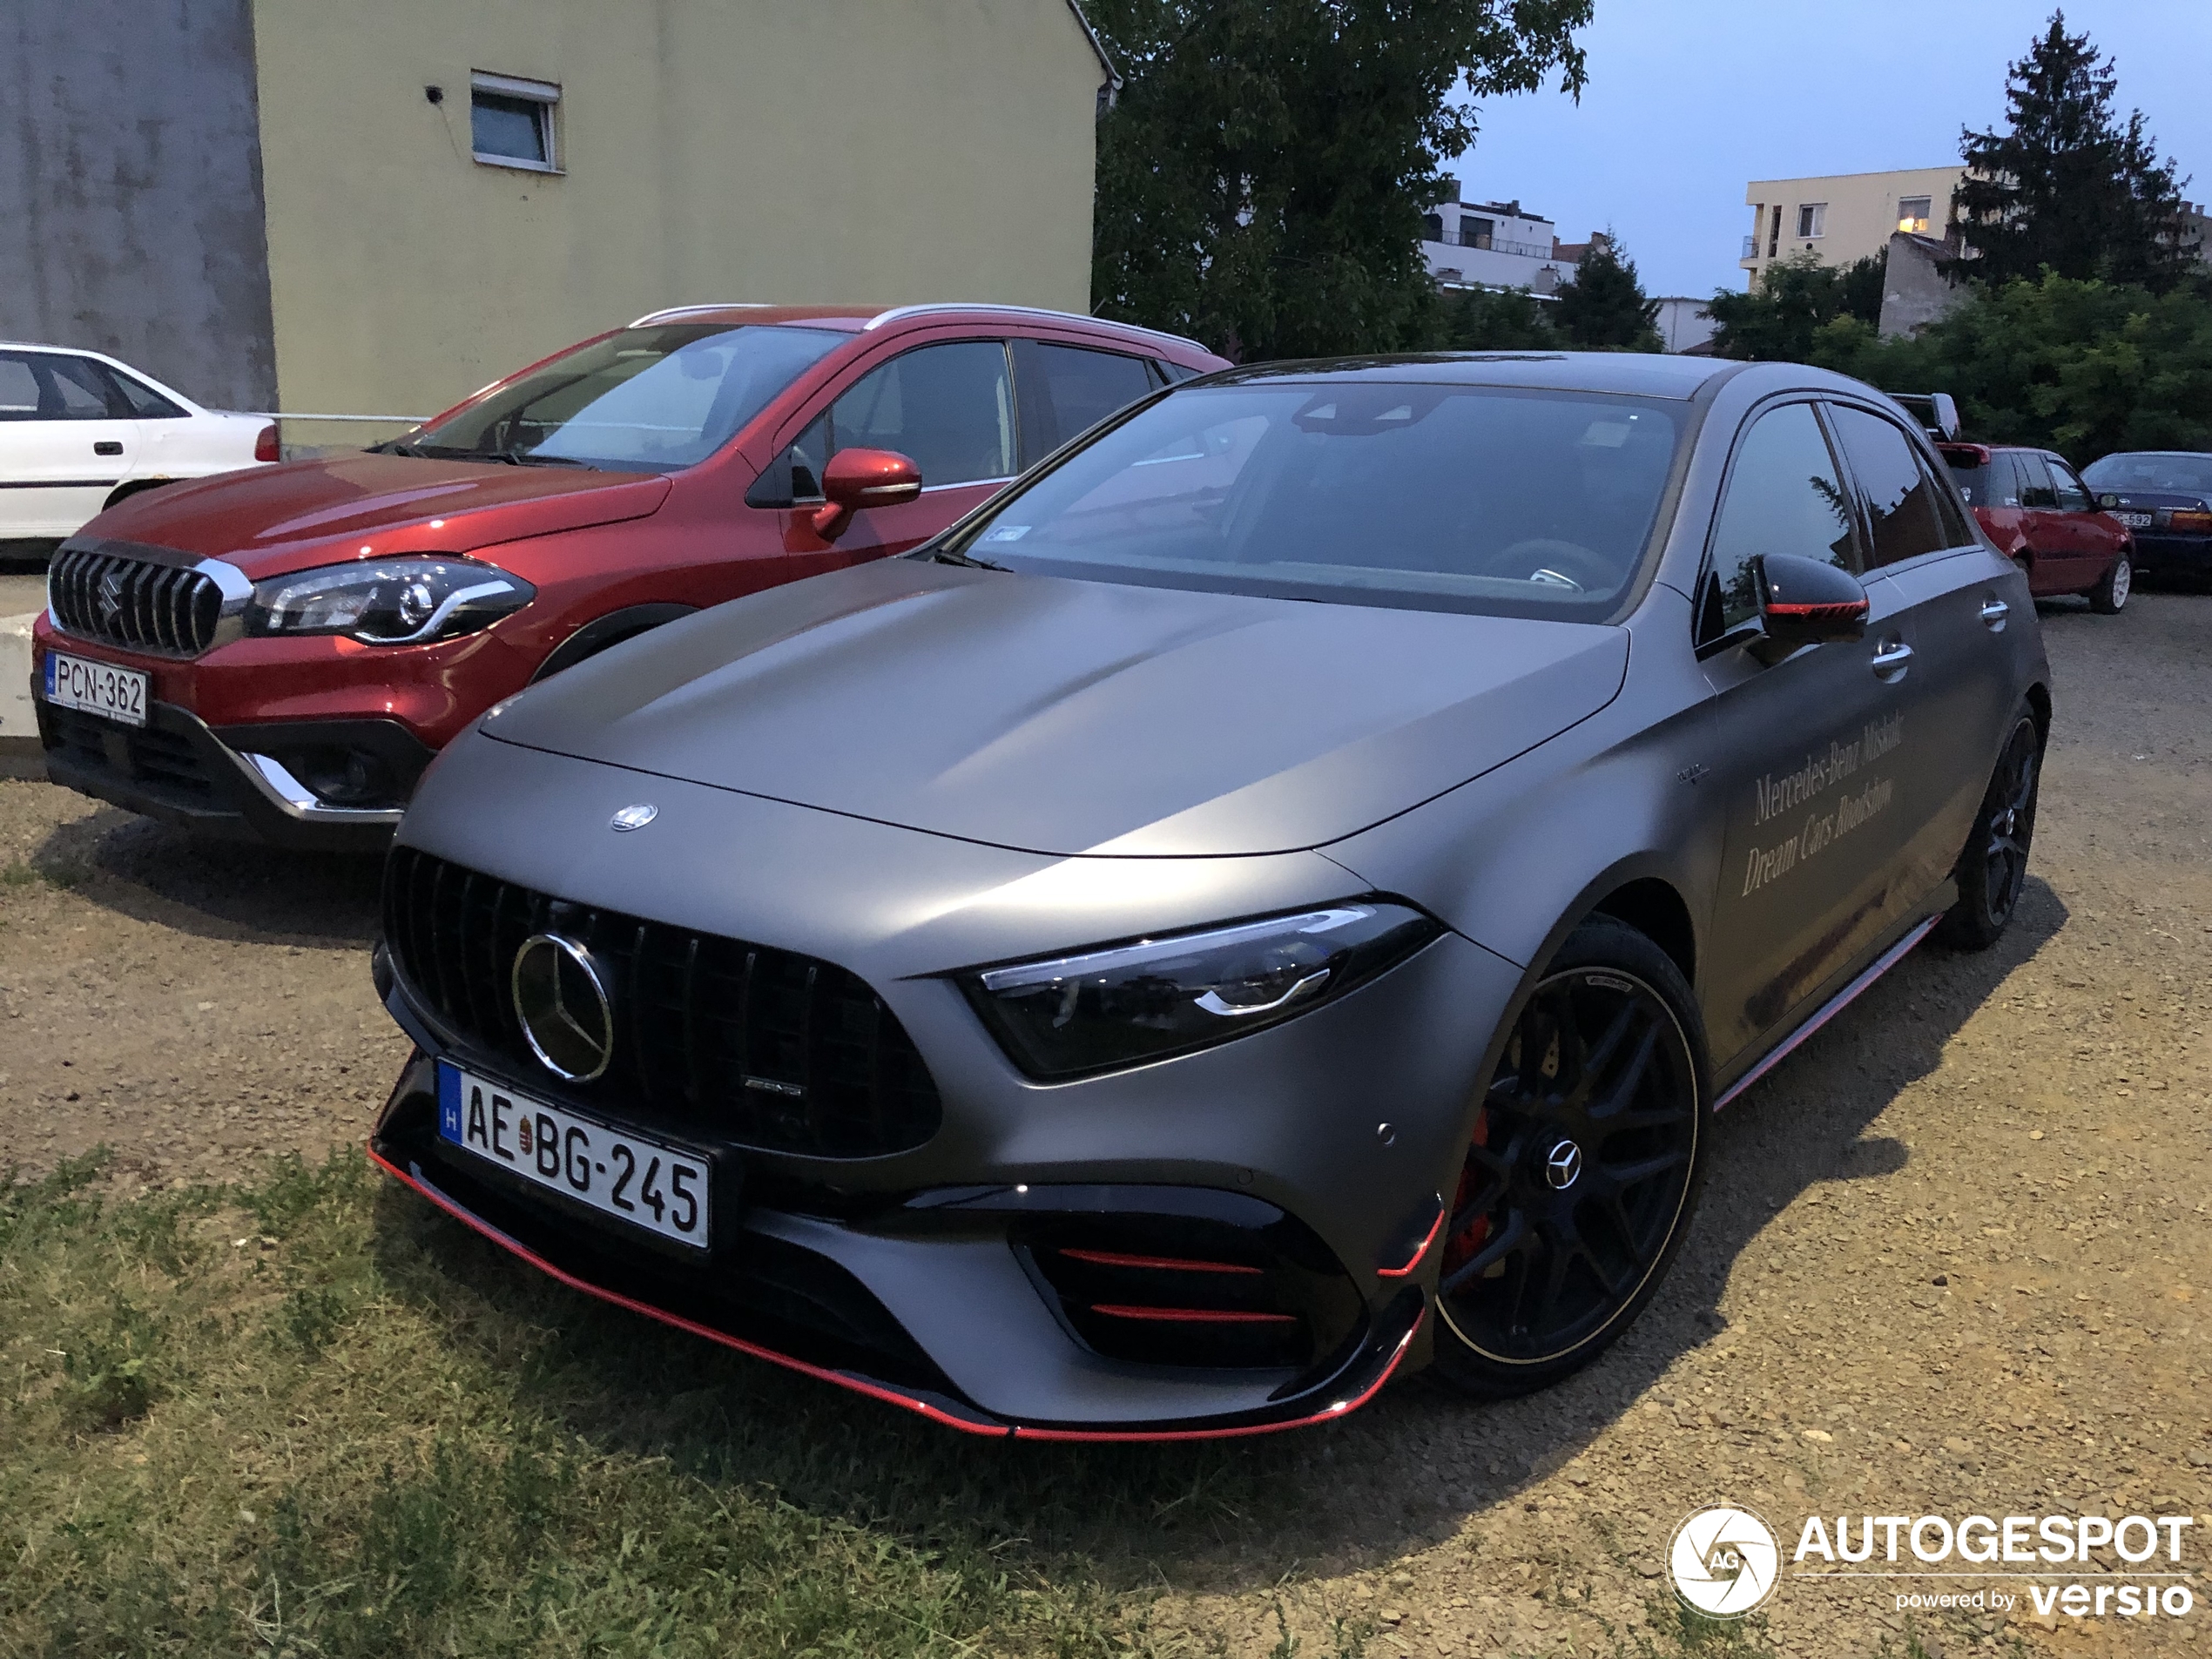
(1993, 872)
(1582, 1169)
(2107, 597)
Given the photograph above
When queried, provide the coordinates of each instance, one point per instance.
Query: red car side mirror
(858, 478)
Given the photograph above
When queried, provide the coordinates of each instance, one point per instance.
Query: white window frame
(545, 94)
(1909, 221)
(1812, 222)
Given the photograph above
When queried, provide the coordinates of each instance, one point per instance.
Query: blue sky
(1689, 99)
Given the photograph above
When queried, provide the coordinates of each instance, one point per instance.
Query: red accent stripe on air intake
(1170, 1264)
(1194, 1316)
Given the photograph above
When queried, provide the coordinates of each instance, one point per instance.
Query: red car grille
(743, 1042)
(163, 610)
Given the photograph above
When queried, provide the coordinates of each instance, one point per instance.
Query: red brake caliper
(1461, 1247)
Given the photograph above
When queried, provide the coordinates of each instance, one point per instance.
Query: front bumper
(870, 1301)
(233, 783)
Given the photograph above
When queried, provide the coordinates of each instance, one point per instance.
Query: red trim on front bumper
(1414, 1260)
(874, 1390)
(1342, 1408)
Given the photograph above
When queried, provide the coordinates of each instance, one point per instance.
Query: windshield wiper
(946, 556)
(400, 446)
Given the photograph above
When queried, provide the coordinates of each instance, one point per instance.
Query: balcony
(1750, 249)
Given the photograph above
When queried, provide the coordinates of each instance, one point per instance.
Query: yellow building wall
(885, 152)
(1862, 212)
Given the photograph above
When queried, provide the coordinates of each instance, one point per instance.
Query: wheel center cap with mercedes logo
(563, 1006)
(1563, 1164)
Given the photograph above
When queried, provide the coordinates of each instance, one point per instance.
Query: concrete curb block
(19, 752)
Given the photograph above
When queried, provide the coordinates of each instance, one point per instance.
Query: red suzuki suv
(278, 653)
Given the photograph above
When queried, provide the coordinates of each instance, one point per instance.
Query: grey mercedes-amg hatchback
(1270, 901)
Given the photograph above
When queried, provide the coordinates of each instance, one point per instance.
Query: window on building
(1812, 219)
(1912, 213)
(510, 121)
(1432, 227)
(1477, 233)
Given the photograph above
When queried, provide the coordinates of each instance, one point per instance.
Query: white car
(79, 431)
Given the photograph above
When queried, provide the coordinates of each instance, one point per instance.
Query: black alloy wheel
(1993, 872)
(1581, 1171)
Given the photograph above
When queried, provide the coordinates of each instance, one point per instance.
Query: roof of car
(1647, 374)
(860, 319)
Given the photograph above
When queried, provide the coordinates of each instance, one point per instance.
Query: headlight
(388, 602)
(1129, 1003)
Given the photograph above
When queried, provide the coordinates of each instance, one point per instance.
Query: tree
(2084, 368)
(1497, 320)
(2067, 185)
(1603, 307)
(1262, 174)
(1796, 297)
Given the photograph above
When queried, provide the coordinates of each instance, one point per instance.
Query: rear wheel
(1993, 872)
(1582, 1169)
(2107, 597)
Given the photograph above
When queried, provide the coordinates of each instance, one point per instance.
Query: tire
(1993, 870)
(2109, 595)
(131, 487)
(1540, 1274)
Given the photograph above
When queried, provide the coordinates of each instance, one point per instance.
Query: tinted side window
(1174, 374)
(1975, 477)
(949, 408)
(2073, 495)
(18, 387)
(1066, 389)
(1900, 498)
(1784, 496)
(2035, 480)
(2004, 483)
(69, 388)
(143, 401)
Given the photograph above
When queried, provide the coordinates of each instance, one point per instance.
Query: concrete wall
(1917, 284)
(1862, 212)
(131, 190)
(1683, 323)
(713, 150)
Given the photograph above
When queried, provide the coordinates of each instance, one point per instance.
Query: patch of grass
(1680, 1631)
(310, 1417)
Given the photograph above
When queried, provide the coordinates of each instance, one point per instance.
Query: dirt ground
(1950, 1259)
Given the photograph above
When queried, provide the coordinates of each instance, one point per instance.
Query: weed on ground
(310, 1417)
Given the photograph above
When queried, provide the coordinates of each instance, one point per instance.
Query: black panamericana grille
(761, 1047)
(166, 609)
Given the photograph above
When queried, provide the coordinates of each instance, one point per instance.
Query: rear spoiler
(1933, 410)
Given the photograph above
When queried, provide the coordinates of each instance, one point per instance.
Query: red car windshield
(644, 400)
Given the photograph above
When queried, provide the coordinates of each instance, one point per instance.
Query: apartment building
(1843, 217)
(1491, 245)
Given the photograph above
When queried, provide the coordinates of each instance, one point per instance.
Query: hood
(1063, 716)
(269, 520)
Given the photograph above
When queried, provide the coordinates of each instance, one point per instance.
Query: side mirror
(858, 478)
(1808, 602)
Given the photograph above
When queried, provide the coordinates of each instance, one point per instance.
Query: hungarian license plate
(2134, 521)
(98, 688)
(644, 1182)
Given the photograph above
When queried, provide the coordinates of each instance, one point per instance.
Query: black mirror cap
(1808, 602)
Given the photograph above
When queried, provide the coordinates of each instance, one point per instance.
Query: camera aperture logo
(1724, 1561)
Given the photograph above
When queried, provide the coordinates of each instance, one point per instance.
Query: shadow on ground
(214, 889)
(1400, 1476)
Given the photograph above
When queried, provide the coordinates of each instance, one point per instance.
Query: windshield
(644, 400)
(2168, 474)
(1431, 496)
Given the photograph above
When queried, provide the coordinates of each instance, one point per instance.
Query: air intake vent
(733, 1040)
(140, 604)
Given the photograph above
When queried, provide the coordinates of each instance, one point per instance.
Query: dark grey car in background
(1270, 901)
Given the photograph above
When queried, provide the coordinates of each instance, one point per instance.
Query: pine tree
(2065, 185)
(1604, 309)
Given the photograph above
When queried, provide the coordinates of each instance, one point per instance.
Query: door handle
(1993, 613)
(1889, 659)
(108, 447)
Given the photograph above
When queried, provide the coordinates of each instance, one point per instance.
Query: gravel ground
(1948, 1262)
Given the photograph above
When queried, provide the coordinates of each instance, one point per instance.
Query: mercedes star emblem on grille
(637, 817)
(111, 599)
(563, 1007)
(1564, 1164)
